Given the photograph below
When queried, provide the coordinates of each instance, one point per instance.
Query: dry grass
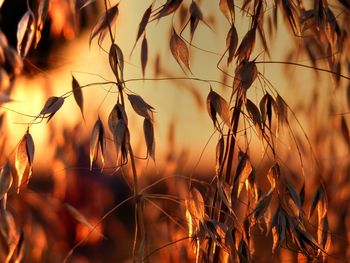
(289, 203)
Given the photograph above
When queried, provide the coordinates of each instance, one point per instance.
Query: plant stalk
(229, 154)
(139, 222)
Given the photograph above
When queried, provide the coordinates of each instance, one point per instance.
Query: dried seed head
(141, 107)
(5, 180)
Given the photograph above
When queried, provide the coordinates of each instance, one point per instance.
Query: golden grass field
(220, 135)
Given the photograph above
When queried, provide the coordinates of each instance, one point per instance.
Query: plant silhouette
(247, 198)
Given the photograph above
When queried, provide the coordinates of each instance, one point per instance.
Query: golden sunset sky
(173, 101)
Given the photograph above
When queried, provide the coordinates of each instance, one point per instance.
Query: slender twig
(164, 246)
(109, 23)
(167, 215)
(304, 66)
(94, 227)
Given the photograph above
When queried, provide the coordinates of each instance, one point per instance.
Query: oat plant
(252, 208)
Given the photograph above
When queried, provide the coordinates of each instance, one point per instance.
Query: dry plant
(249, 210)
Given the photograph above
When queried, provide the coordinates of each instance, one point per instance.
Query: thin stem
(164, 246)
(94, 227)
(231, 142)
(139, 223)
(304, 66)
(167, 215)
(19, 113)
(108, 22)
